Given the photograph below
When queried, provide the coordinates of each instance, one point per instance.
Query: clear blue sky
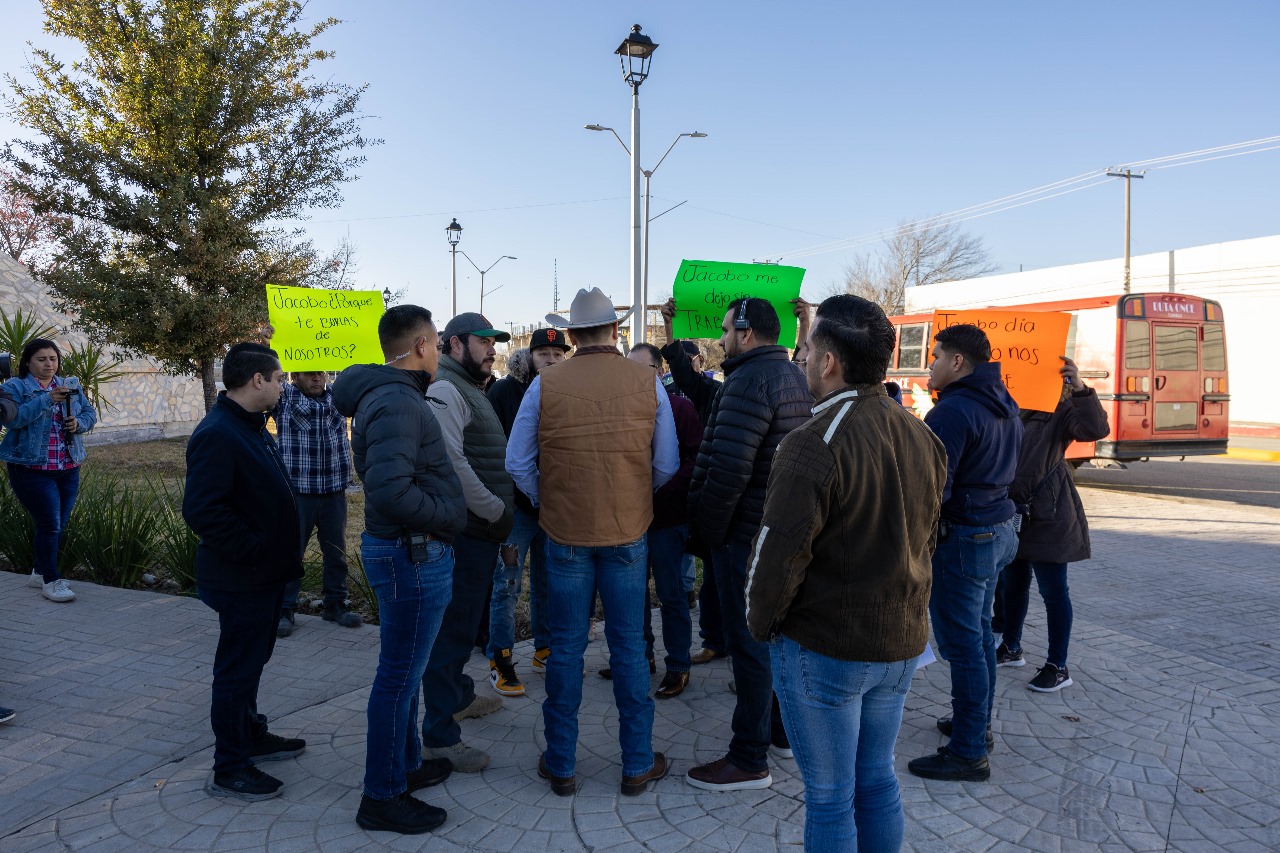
(825, 120)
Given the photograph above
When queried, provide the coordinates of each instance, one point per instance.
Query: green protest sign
(704, 289)
(324, 329)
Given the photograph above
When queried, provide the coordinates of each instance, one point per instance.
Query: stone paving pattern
(1167, 741)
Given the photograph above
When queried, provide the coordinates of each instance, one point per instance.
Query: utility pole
(1128, 183)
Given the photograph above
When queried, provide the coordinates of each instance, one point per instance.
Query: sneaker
(562, 786)
(248, 783)
(607, 672)
(944, 726)
(722, 775)
(502, 674)
(673, 684)
(57, 591)
(1050, 679)
(1007, 657)
(708, 655)
(780, 745)
(949, 767)
(430, 772)
(462, 758)
(635, 785)
(481, 706)
(539, 662)
(344, 617)
(287, 624)
(271, 747)
(403, 814)
(36, 580)
(7, 714)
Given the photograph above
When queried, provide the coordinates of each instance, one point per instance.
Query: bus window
(1176, 347)
(1137, 345)
(911, 349)
(1215, 352)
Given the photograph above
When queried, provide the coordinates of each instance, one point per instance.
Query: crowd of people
(833, 527)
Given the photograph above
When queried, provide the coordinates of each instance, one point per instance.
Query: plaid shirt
(59, 450)
(313, 440)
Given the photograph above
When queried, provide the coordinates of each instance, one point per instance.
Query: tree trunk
(206, 381)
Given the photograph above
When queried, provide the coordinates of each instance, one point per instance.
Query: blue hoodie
(978, 423)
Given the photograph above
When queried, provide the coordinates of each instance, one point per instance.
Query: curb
(1253, 455)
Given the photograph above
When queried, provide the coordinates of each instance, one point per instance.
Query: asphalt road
(1204, 478)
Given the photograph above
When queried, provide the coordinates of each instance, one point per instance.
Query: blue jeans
(965, 570)
(246, 637)
(666, 553)
(327, 515)
(617, 572)
(49, 497)
(836, 711)
(528, 538)
(446, 689)
(1052, 580)
(754, 713)
(411, 602)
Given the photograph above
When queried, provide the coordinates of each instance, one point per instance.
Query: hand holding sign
(324, 329)
(704, 289)
(1028, 345)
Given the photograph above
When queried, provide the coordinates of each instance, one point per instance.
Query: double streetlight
(634, 54)
(482, 273)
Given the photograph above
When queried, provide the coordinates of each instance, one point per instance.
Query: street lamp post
(386, 297)
(454, 233)
(634, 55)
(482, 274)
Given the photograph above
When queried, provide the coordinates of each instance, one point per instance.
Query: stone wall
(145, 403)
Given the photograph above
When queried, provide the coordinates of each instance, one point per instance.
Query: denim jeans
(574, 574)
(48, 496)
(754, 714)
(842, 718)
(326, 514)
(528, 538)
(666, 552)
(710, 624)
(965, 570)
(246, 637)
(446, 689)
(1052, 580)
(411, 602)
(688, 572)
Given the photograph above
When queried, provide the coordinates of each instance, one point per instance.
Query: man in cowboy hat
(589, 432)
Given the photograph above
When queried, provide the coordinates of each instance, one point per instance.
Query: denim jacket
(26, 442)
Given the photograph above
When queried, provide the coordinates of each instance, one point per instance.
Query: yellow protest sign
(324, 329)
(1027, 345)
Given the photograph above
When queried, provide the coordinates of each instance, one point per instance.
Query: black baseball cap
(548, 338)
(471, 323)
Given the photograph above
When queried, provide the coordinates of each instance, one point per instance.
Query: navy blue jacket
(239, 501)
(978, 423)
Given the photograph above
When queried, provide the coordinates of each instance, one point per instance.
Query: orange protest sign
(1027, 345)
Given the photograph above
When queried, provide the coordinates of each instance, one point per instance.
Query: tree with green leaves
(173, 152)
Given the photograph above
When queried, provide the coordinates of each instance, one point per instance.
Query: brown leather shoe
(673, 684)
(563, 786)
(707, 655)
(635, 785)
(724, 775)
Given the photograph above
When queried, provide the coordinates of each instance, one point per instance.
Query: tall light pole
(454, 232)
(634, 55)
(1128, 182)
(482, 273)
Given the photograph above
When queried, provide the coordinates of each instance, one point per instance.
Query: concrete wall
(145, 403)
(1243, 275)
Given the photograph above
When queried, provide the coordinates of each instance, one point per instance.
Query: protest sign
(704, 289)
(1027, 345)
(324, 329)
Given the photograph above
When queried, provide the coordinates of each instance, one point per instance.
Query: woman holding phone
(43, 449)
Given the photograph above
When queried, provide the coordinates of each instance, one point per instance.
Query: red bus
(1157, 360)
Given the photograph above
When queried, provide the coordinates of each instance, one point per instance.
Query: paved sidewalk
(1167, 741)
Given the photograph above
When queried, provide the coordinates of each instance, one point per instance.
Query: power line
(465, 212)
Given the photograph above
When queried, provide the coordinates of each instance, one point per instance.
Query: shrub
(111, 533)
(175, 542)
(17, 532)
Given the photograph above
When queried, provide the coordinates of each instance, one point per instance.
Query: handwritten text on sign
(324, 329)
(1027, 345)
(704, 289)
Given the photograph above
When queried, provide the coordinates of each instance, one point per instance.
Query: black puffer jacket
(399, 452)
(764, 397)
(1058, 531)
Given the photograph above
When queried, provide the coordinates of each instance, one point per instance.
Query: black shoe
(949, 767)
(1009, 657)
(271, 747)
(607, 672)
(1050, 679)
(944, 726)
(248, 783)
(432, 771)
(563, 786)
(7, 714)
(287, 624)
(673, 684)
(403, 814)
(344, 617)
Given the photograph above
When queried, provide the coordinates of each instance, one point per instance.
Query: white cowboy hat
(590, 308)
